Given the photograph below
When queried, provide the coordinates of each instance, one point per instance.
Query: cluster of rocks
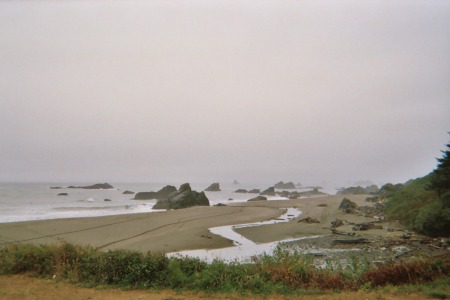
(182, 198)
(170, 198)
(377, 211)
(359, 190)
(285, 186)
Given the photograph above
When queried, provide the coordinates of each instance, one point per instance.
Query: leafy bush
(282, 272)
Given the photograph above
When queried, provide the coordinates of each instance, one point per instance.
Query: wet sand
(184, 229)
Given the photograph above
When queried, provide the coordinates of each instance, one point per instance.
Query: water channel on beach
(243, 249)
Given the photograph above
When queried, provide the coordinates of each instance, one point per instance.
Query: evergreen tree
(440, 181)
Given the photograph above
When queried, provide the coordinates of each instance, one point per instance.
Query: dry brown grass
(23, 287)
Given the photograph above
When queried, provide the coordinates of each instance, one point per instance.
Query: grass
(281, 273)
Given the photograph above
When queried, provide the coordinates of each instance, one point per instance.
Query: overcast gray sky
(307, 91)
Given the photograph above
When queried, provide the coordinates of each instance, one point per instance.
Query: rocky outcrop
(254, 191)
(242, 191)
(284, 186)
(358, 190)
(269, 192)
(128, 193)
(97, 186)
(215, 187)
(258, 198)
(182, 198)
(162, 194)
(347, 205)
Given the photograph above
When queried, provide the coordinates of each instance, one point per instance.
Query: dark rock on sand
(269, 192)
(162, 194)
(96, 186)
(242, 191)
(182, 198)
(258, 198)
(215, 187)
(347, 205)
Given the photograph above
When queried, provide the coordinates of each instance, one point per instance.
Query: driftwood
(342, 232)
(308, 220)
(367, 226)
(352, 241)
(403, 253)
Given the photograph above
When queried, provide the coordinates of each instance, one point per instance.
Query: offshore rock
(215, 187)
(242, 191)
(258, 198)
(182, 198)
(269, 192)
(97, 186)
(285, 186)
(162, 194)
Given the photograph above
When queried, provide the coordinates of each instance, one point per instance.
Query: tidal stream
(243, 249)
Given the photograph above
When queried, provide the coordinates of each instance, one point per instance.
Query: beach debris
(214, 187)
(350, 241)
(258, 198)
(376, 211)
(63, 194)
(347, 205)
(367, 226)
(339, 222)
(342, 232)
(309, 220)
(206, 237)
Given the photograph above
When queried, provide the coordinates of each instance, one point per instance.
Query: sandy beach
(184, 229)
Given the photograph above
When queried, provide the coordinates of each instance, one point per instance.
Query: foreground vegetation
(283, 272)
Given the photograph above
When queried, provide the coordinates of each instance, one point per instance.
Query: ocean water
(37, 201)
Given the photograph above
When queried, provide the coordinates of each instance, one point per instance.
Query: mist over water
(37, 201)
